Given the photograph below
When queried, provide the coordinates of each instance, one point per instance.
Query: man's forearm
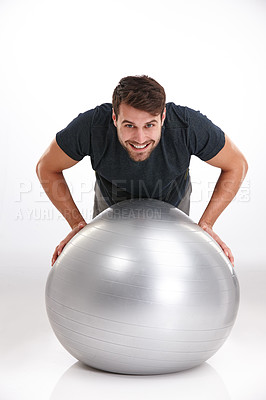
(58, 192)
(225, 190)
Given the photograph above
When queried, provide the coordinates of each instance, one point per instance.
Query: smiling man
(137, 132)
(140, 147)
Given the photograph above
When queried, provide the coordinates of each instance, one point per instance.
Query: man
(141, 147)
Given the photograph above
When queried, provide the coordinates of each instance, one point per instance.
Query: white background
(60, 58)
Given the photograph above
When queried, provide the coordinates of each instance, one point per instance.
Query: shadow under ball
(142, 289)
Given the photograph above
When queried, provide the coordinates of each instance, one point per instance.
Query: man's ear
(114, 118)
(164, 115)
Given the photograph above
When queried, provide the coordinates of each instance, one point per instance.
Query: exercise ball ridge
(142, 289)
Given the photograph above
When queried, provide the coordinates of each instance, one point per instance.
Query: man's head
(138, 114)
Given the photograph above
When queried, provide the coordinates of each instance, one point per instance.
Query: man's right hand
(59, 248)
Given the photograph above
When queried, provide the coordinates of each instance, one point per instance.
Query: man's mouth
(139, 146)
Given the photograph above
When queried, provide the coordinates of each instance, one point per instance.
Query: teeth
(139, 147)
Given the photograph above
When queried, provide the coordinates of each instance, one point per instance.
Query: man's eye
(129, 126)
(149, 125)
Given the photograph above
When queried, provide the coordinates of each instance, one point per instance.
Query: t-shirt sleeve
(74, 140)
(205, 138)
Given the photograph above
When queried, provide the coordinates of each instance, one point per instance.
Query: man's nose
(139, 135)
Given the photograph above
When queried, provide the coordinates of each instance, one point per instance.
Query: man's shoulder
(104, 108)
(176, 115)
(101, 115)
(95, 116)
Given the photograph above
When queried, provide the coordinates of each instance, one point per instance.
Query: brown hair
(141, 92)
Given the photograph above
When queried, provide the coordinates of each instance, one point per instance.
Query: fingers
(59, 248)
(58, 251)
(226, 250)
(228, 254)
(55, 255)
(224, 247)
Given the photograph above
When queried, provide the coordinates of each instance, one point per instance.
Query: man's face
(138, 131)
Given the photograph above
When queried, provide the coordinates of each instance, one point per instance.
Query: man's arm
(233, 171)
(49, 170)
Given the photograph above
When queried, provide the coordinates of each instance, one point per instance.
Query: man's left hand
(224, 247)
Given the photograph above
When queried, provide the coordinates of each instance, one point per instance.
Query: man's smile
(138, 147)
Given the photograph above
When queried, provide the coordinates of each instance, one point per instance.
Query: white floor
(33, 364)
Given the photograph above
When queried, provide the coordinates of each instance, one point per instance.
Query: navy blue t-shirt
(164, 175)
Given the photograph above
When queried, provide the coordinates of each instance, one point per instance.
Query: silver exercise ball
(142, 289)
